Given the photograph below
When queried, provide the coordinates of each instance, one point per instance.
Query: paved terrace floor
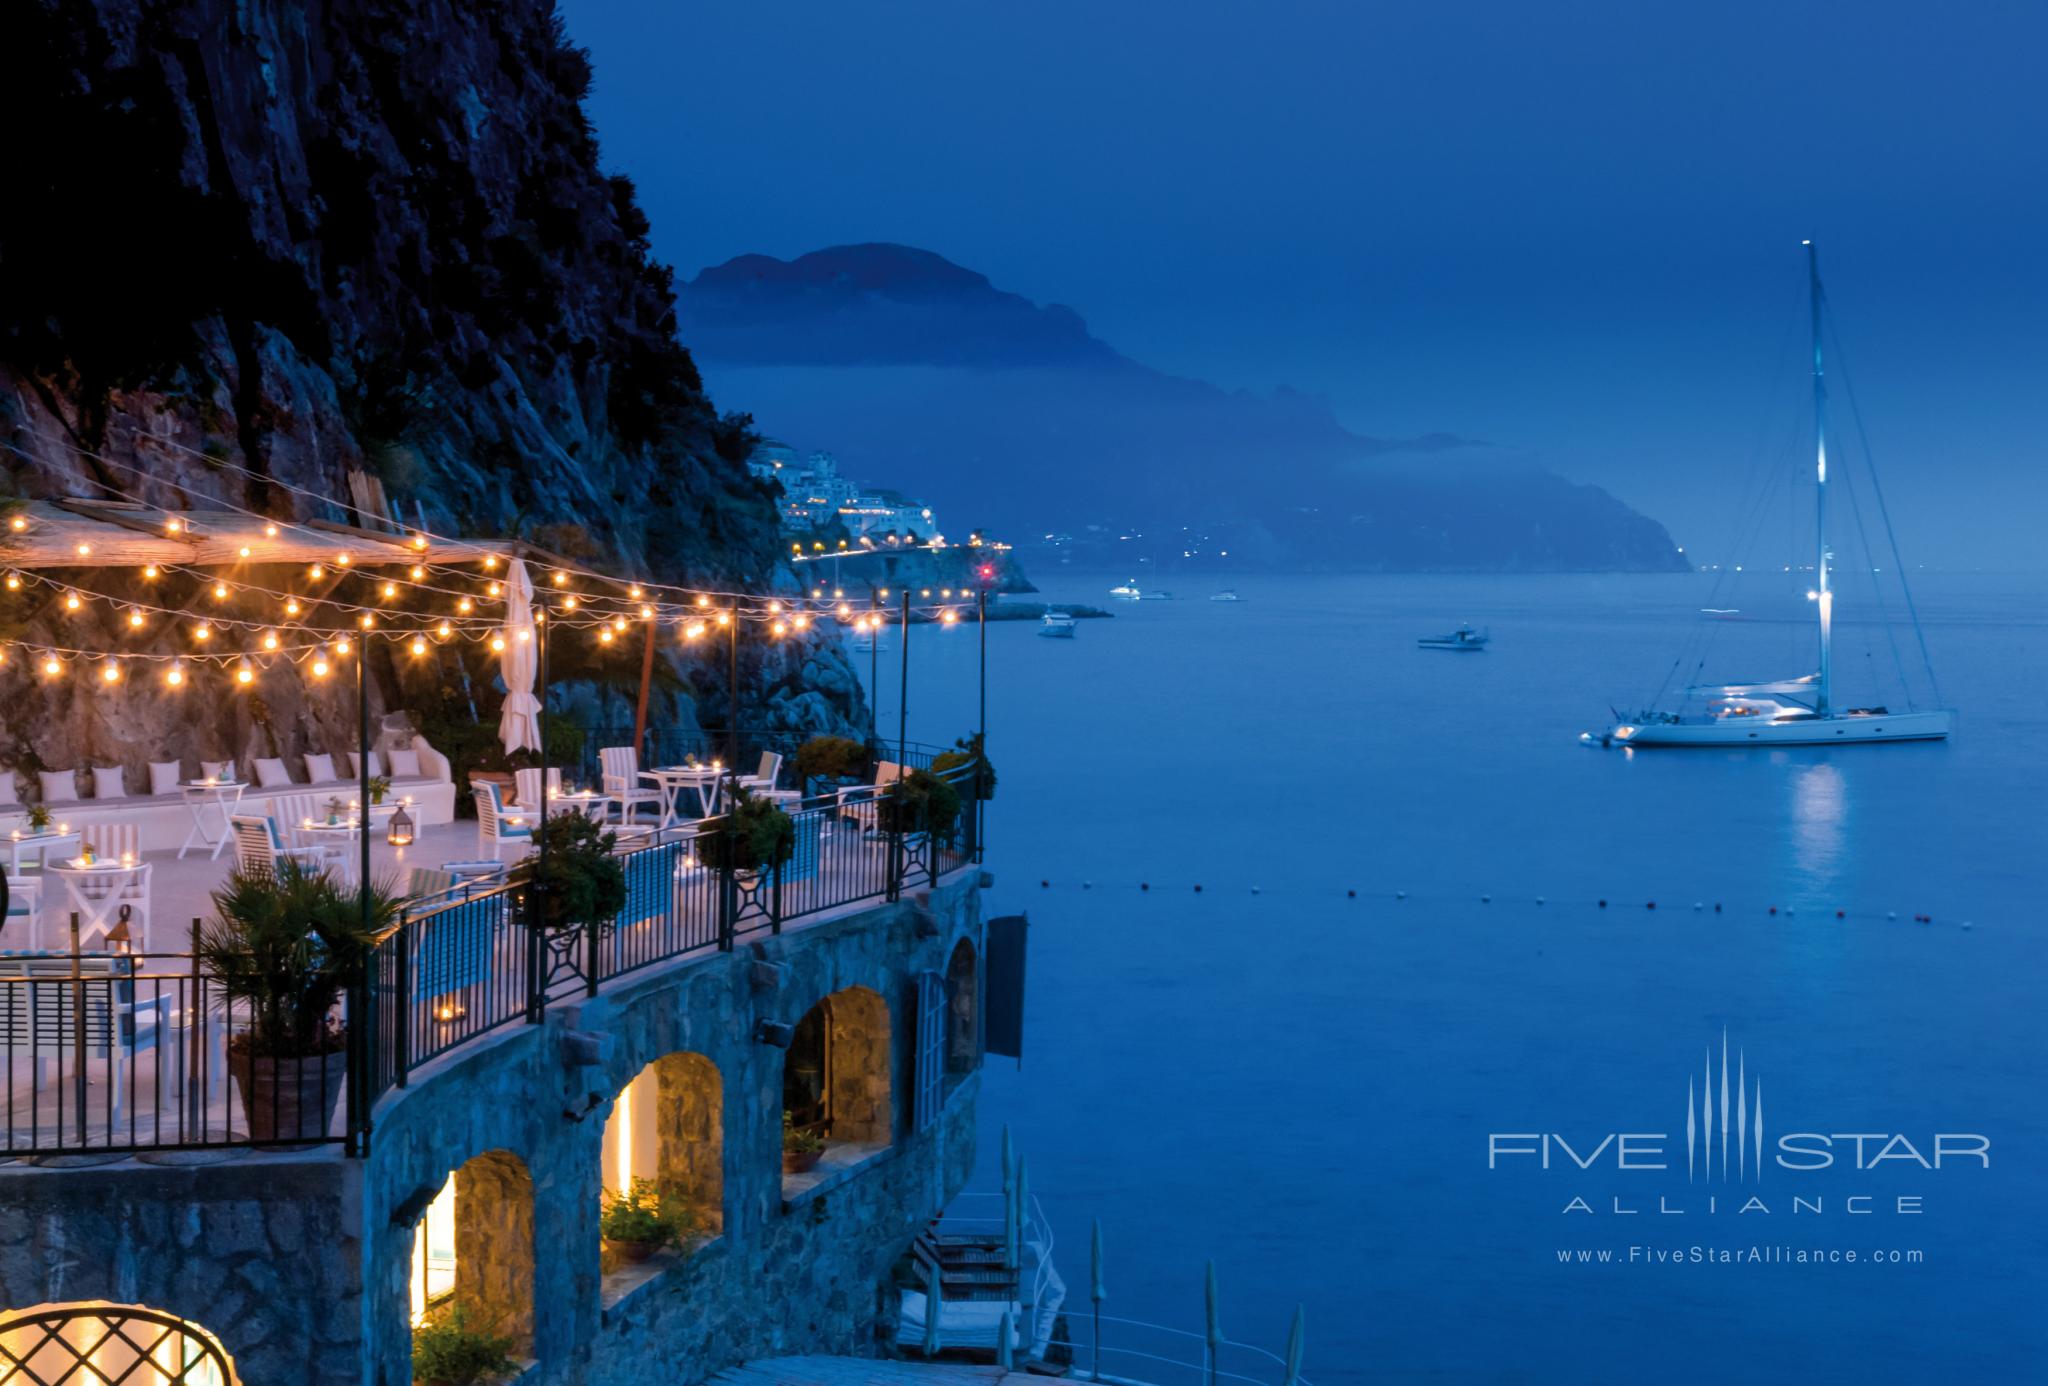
(862, 1371)
(173, 1085)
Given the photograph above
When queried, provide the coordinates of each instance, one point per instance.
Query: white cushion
(8, 793)
(404, 764)
(271, 774)
(320, 770)
(59, 786)
(164, 776)
(108, 782)
(355, 765)
(217, 769)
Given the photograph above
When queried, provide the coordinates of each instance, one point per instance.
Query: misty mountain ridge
(921, 373)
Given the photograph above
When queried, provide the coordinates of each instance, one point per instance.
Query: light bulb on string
(419, 645)
(316, 572)
(202, 632)
(418, 573)
(245, 551)
(341, 560)
(634, 592)
(568, 603)
(85, 550)
(150, 573)
(270, 531)
(18, 523)
(490, 562)
(71, 602)
(13, 583)
(175, 675)
(949, 616)
(320, 665)
(803, 623)
(341, 647)
(110, 672)
(604, 637)
(52, 667)
(779, 628)
(136, 620)
(291, 608)
(694, 632)
(497, 589)
(390, 590)
(270, 640)
(703, 600)
(725, 618)
(497, 644)
(245, 674)
(367, 621)
(444, 630)
(220, 591)
(560, 579)
(463, 607)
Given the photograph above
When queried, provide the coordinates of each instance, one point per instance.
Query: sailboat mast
(1823, 597)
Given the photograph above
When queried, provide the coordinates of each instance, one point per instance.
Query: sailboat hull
(1803, 731)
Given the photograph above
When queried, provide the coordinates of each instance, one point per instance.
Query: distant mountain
(1005, 413)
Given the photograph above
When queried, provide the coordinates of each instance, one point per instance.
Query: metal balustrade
(123, 1052)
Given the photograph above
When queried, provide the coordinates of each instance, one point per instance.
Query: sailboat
(1797, 711)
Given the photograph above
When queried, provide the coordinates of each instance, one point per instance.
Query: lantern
(399, 834)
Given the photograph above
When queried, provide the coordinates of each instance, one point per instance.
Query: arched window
(474, 1248)
(667, 1128)
(95, 1342)
(963, 1010)
(836, 1074)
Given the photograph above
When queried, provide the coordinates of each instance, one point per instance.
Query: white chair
(48, 1016)
(25, 903)
(857, 801)
(259, 846)
(495, 827)
(293, 812)
(526, 788)
(623, 783)
(764, 777)
(115, 843)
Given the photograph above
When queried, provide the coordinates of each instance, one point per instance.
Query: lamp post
(903, 686)
(732, 695)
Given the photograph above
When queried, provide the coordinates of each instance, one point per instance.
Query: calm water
(1302, 1085)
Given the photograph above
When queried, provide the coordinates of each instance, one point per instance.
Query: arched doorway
(68, 1344)
(473, 1248)
(963, 1010)
(836, 1074)
(666, 1132)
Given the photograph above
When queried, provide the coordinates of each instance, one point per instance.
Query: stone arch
(837, 1072)
(474, 1247)
(668, 1126)
(963, 1009)
(98, 1341)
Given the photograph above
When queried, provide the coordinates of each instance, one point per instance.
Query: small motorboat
(1057, 625)
(1128, 592)
(1156, 597)
(1228, 594)
(1464, 639)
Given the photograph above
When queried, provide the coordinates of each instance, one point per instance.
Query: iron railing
(123, 1052)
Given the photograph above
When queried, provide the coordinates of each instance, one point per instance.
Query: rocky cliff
(254, 244)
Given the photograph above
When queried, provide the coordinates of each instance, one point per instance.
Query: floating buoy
(1087, 885)
(1144, 885)
(1841, 914)
(1400, 895)
(1966, 923)
(1348, 895)
(1650, 904)
(1774, 909)
(1539, 899)
(1891, 914)
(1717, 907)
(1698, 905)
(1255, 890)
(1603, 904)
(1486, 899)
(1198, 889)
(1045, 885)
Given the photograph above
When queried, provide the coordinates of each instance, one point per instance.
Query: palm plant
(290, 943)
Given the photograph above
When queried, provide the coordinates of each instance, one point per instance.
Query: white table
(39, 844)
(707, 780)
(206, 800)
(336, 839)
(99, 891)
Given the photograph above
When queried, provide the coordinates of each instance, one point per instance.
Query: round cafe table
(98, 892)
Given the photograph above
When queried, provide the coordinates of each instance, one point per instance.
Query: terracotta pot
(289, 1099)
(798, 1161)
(631, 1253)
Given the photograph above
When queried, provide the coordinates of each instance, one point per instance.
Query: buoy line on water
(1491, 898)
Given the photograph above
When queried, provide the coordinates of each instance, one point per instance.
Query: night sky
(1571, 231)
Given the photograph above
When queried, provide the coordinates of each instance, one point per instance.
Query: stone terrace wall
(300, 1264)
(263, 1251)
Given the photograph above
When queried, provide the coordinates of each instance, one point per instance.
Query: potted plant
(641, 1221)
(380, 785)
(834, 759)
(966, 751)
(448, 1351)
(754, 836)
(802, 1147)
(38, 817)
(920, 802)
(577, 881)
(287, 946)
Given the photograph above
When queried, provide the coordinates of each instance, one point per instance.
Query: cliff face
(301, 238)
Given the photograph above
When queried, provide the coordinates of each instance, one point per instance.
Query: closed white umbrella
(519, 723)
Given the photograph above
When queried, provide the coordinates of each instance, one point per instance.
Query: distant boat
(1464, 640)
(1156, 597)
(1228, 594)
(1797, 711)
(1128, 592)
(1057, 625)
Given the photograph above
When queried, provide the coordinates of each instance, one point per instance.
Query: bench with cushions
(417, 772)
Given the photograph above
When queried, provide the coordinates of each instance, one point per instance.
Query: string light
(150, 573)
(135, 620)
(110, 672)
(245, 550)
(13, 583)
(497, 644)
(270, 640)
(341, 560)
(85, 550)
(18, 523)
(418, 573)
(419, 646)
(291, 608)
(390, 590)
(604, 637)
(319, 666)
(444, 630)
(175, 675)
(202, 632)
(341, 647)
(316, 572)
(220, 591)
(52, 667)
(270, 531)
(367, 621)
(72, 603)
(560, 578)
(244, 674)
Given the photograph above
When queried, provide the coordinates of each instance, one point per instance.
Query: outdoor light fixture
(399, 834)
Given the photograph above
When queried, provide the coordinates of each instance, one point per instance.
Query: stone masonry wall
(300, 1263)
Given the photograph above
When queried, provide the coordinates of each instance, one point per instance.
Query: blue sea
(1305, 1085)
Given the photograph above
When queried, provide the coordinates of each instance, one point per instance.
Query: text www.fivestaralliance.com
(1751, 1255)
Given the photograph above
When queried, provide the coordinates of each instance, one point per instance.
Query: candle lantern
(399, 834)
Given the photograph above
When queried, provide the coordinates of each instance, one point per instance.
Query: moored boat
(1057, 625)
(1463, 639)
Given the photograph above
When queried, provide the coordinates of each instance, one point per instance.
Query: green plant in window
(448, 1350)
(799, 1140)
(643, 1220)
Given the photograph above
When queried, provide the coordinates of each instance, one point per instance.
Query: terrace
(125, 1048)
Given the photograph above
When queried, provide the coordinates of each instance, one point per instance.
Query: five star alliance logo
(1747, 1124)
